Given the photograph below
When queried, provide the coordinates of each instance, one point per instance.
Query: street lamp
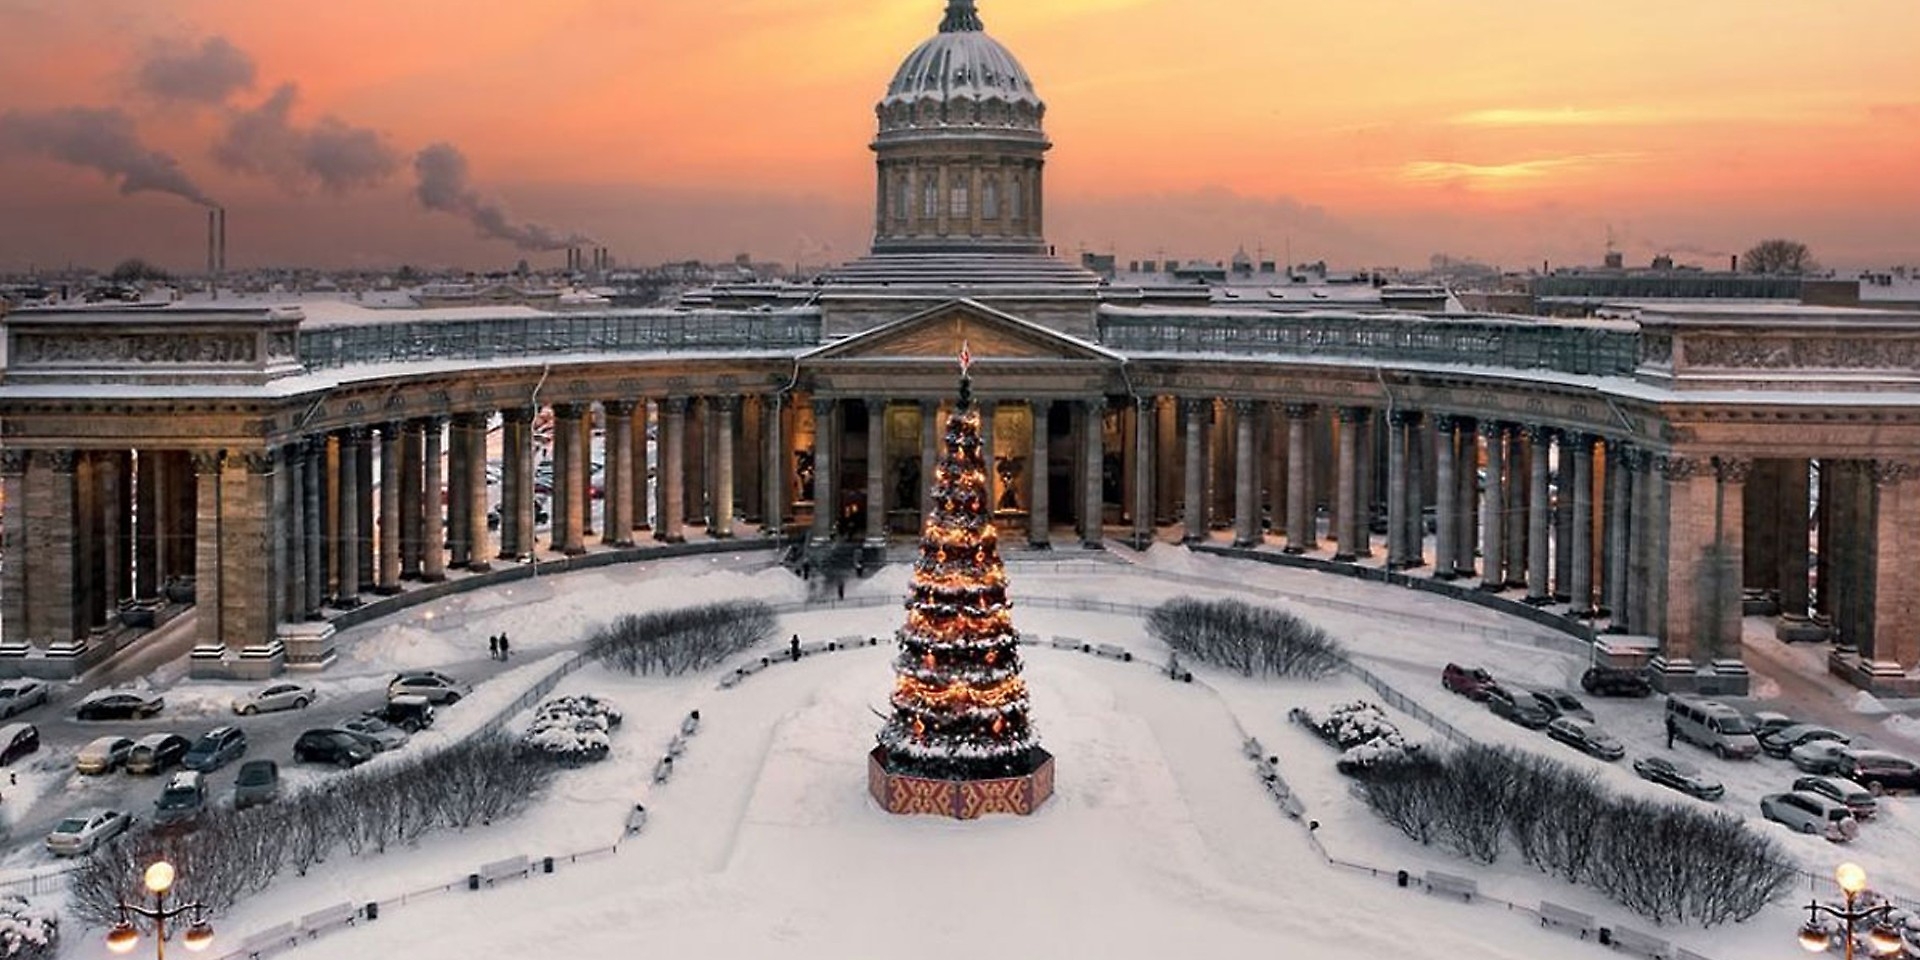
(1883, 939)
(159, 879)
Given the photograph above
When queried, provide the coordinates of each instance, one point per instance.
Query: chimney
(223, 240)
(213, 240)
(1733, 262)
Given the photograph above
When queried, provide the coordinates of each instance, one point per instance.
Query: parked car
(1586, 737)
(216, 748)
(103, 755)
(17, 696)
(331, 746)
(278, 696)
(1560, 703)
(1812, 814)
(1680, 775)
(1841, 790)
(1470, 682)
(82, 834)
(156, 752)
(1820, 756)
(17, 740)
(257, 783)
(435, 686)
(1713, 725)
(181, 800)
(1764, 722)
(119, 705)
(1523, 710)
(379, 734)
(409, 712)
(1616, 682)
(1781, 742)
(1879, 771)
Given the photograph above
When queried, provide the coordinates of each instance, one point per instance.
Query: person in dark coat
(793, 646)
(503, 646)
(493, 646)
(1672, 730)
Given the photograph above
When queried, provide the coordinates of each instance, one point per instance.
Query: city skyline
(1376, 134)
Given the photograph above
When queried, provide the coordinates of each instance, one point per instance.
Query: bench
(691, 724)
(677, 746)
(1252, 749)
(731, 680)
(1113, 651)
(1644, 944)
(1067, 643)
(663, 771)
(320, 921)
(1682, 953)
(1451, 885)
(502, 869)
(269, 940)
(1555, 915)
(847, 642)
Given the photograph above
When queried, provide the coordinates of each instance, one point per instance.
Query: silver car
(278, 696)
(82, 834)
(1820, 756)
(103, 755)
(16, 696)
(1811, 814)
(377, 733)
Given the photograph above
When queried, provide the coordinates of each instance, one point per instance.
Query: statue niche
(1009, 470)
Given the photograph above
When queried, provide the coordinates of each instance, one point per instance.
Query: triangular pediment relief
(937, 334)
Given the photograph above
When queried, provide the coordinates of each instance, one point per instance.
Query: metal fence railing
(491, 338)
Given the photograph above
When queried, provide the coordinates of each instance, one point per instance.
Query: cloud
(1560, 117)
(441, 170)
(336, 156)
(101, 139)
(1498, 175)
(208, 74)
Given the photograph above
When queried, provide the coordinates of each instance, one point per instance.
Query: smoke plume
(336, 156)
(208, 74)
(102, 139)
(442, 172)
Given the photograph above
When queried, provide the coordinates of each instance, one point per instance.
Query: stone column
(14, 582)
(412, 510)
(459, 548)
(1539, 549)
(1398, 549)
(876, 532)
(1196, 412)
(50, 509)
(694, 437)
(1466, 514)
(1577, 501)
(1894, 645)
(773, 476)
(1415, 528)
(1246, 492)
(314, 517)
(390, 533)
(1093, 514)
(617, 527)
(1517, 486)
(724, 411)
(1167, 483)
(1301, 535)
(1728, 556)
(1613, 591)
(369, 557)
(1493, 509)
(1348, 526)
(1144, 417)
(146, 535)
(207, 580)
(584, 489)
(1039, 508)
(1641, 537)
(825, 512)
(250, 557)
(1274, 444)
(479, 544)
(1683, 585)
(517, 494)
(673, 475)
(930, 449)
(1446, 497)
(1221, 462)
(433, 539)
(988, 451)
(347, 591)
(569, 481)
(294, 460)
(1562, 517)
(1792, 533)
(646, 467)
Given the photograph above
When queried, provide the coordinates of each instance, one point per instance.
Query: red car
(1470, 682)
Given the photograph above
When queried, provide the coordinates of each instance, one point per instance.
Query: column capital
(260, 462)
(1094, 405)
(205, 462)
(618, 408)
(823, 406)
(1301, 411)
(1405, 418)
(1889, 473)
(728, 403)
(431, 422)
(1448, 422)
(876, 404)
(391, 429)
(1539, 433)
(1246, 408)
(517, 414)
(930, 407)
(469, 418)
(568, 411)
(1680, 468)
(1577, 440)
(1353, 414)
(13, 463)
(1492, 429)
(1734, 470)
(1196, 406)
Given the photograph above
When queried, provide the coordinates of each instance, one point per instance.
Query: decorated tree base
(960, 799)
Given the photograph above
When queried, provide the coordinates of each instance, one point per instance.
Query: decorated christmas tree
(959, 705)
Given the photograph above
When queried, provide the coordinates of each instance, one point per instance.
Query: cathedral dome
(960, 78)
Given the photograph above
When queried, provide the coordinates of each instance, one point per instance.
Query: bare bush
(1242, 637)
(674, 642)
(27, 932)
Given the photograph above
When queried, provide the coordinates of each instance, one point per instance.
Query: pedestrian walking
(503, 645)
(1672, 730)
(840, 588)
(793, 646)
(493, 646)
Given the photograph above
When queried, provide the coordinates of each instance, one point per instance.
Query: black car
(409, 712)
(258, 782)
(331, 746)
(1523, 710)
(123, 705)
(17, 740)
(1680, 775)
(156, 752)
(216, 748)
(1586, 737)
(1880, 772)
(1781, 742)
(1616, 682)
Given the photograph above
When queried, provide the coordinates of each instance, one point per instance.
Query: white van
(1713, 725)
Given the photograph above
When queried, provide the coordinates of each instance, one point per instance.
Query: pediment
(938, 332)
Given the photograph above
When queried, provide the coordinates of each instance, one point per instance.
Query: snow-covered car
(83, 833)
(1764, 722)
(435, 686)
(1811, 814)
(156, 752)
(277, 696)
(1616, 682)
(1680, 775)
(1879, 771)
(1820, 756)
(1586, 737)
(409, 712)
(1858, 799)
(1523, 710)
(1470, 682)
(17, 696)
(1781, 742)
(378, 734)
(1560, 703)
(119, 705)
(103, 754)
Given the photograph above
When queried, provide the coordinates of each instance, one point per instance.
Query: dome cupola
(960, 146)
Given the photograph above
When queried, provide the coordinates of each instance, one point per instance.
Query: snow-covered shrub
(1243, 637)
(581, 705)
(573, 730)
(677, 641)
(26, 931)
(1360, 730)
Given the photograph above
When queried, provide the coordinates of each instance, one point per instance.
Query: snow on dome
(959, 64)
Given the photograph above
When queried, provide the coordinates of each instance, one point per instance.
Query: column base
(573, 551)
(617, 544)
(1794, 629)
(1092, 545)
(674, 538)
(720, 534)
(1414, 564)
(1139, 541)
(1244, 543)
(1293, 550)
(1487, 586)
(479, 566)
(1516, 585)
(1592, 613)
(1040, 544)
(1445, 576)
(350, 602)
(1539, 601)
(1562, 597)
(388, 590)
(433, 578)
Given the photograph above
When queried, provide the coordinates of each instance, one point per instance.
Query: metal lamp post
(1883, 939)
(159, 879)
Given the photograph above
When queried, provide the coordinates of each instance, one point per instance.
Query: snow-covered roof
(961, 61)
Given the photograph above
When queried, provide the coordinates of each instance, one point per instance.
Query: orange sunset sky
(1365, 132)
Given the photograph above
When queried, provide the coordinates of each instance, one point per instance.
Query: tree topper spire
(961, 18)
